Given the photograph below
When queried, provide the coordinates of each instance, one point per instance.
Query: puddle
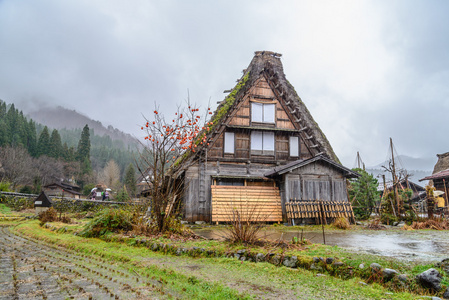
(423, 246)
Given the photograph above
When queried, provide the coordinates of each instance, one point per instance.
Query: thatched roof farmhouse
(264, 148)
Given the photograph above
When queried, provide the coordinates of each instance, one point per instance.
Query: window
(263, 112)
(229, 142)
(231, 181)
(262, 142)
(294, 146)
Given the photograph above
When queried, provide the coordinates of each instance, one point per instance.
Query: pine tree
(3, 133)
(83, 151)
(31, 138)
(11, 120)
(130, 179)
(55, 145)
(43, 143)
(2, 109)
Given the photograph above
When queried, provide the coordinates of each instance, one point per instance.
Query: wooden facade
(61, 189)
(265, 131)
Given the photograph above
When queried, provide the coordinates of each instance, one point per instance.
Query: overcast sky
(367, 70)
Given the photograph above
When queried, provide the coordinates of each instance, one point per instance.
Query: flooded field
(423, 245)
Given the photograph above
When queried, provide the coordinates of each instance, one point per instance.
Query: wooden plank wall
(322, 211)
(251, 203)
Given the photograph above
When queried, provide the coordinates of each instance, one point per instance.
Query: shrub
(16, 203)
(5, 186)
(26, 190)
(50, 215)
(65, 219)
(108, 220)
(341, 223)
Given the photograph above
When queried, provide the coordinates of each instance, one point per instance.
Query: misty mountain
(417, 168)
(415, 175)
(62, 118)
(411, 163)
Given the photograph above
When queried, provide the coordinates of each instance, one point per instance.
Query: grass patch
(4, 210)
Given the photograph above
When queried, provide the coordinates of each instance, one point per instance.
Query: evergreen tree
(2, 109)
(43, 143)
(3, 133)
(130, 179)
(11, 119)
(55, 145)
(31, 139)
(363, 194)
(83, 151)
(69, 153)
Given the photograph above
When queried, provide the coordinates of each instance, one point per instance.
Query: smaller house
(42, 203)
(419, 193)
(440, 182)
(61, 189)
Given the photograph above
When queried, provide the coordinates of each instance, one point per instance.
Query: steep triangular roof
(43, 200)
(268, 66)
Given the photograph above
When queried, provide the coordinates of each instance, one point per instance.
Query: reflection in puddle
(408, 245)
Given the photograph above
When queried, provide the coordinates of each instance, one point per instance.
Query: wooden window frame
(290, 144)
(226, 139)
(262, 119)
(263, 151)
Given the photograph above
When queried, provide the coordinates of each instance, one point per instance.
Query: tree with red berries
(168, 142)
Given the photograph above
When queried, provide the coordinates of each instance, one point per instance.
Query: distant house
(61, 189)
(264, 148)
(440, 182)
(42, 203)
(418, 192)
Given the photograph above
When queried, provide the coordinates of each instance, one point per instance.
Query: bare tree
(49, 169)
(111, 175)
(16, 165)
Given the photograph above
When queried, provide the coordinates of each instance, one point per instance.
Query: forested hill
(62, 118)
(18, 131)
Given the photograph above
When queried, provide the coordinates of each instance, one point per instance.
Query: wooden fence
(322, 211)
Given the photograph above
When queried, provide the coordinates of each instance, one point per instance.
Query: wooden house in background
(62, 189)
(264, 151)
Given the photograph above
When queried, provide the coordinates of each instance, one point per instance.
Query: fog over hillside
(59, 118)
(417, 168)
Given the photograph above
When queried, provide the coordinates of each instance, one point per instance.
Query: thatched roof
(442, 163)
(268, 64)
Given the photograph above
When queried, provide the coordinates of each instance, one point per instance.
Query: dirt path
(30, 269)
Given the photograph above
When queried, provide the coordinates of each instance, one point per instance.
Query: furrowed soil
(30, 269)
(33, 269)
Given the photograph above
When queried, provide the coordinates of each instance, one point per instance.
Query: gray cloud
(367, 70)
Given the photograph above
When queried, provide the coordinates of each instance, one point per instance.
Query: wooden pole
(322, 223)
(445, 192)
(395, 181)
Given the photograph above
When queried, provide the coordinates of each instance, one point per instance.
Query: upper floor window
(262, 143)
(229, 142)
(294, 146)
(263, 112)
